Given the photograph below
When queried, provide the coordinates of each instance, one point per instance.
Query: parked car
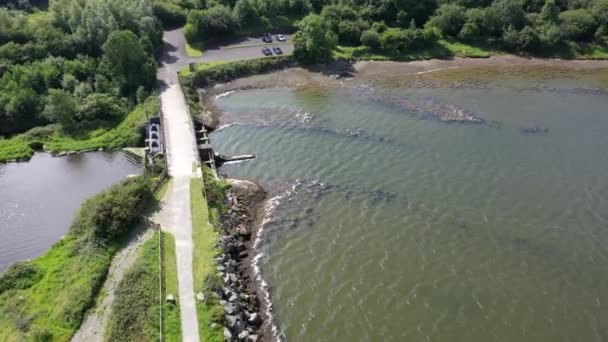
(277, 50)
(267, 38)
(266, 51)
(281, 38)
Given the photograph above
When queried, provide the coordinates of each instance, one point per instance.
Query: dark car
(266, 51)
(267, 38)
(277, 50)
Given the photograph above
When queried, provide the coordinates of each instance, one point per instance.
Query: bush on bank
(230, 71)
(46, 298)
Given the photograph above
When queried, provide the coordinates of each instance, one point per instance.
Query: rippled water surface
(395, 226)
(39, 198)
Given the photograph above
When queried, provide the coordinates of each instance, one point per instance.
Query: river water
(389, 224)
(41, 197)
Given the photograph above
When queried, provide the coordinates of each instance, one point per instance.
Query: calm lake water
(389, 227)
(40, 197)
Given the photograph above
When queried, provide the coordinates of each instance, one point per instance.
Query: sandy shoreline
(338, 74)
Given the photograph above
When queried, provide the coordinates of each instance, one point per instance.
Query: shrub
(231, 71)
(524, 40)
(448, 18)
(577, 24)
(379, 26)
(399, 41)
(470, 31)
(111, 213)
(204, 25)
(348, 32)
(371, 39)
(20, 276)
(171, 15)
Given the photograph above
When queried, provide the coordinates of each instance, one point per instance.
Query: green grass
(447, 48)
(45, 299)
(125, 133)
(194, 49)
(444, 49)
(54, 306)
(205, 239)
(592, 51)
(460, 49)
(135, 311)
(186, 71)
(172, 329)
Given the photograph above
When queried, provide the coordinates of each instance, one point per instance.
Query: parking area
(175, 58)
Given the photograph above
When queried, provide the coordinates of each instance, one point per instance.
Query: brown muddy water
(389, 224)
(39, 198)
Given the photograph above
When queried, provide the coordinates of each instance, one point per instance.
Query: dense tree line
(405, 25)
(80, 64)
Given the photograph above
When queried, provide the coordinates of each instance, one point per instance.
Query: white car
(281, 38)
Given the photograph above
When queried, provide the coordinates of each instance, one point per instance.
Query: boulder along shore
(245, 318)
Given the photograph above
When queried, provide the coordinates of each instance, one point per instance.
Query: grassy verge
(135, 312)
(187, 70)
(447, 48)
(136, 309)
(205, 276)
(194, 49)
(444, 49)
(125, 133)
(46, 298)
(172, 328)
(225, 72)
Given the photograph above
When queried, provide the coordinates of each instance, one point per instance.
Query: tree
(551, 35)
(503, 14)
(99, 107)
(449, 19)
(126, 59)
(371, 39)
(577, 24)
(525, 40)
(217, 21)
(549, 12)
(599, 10)
(314, 42)
(469, 32)
(348, 32)
(245, 13)
(61, 107)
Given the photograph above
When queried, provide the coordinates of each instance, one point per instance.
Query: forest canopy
(522, 26)
(79, 63)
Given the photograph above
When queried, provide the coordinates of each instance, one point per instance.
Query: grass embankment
(444, 49)
(136, 309)
(217, 72)
(447, 48)
(45, 299)
(52, 138)
(172, 327)
(187, 70)
(205, 275)
(194, 49)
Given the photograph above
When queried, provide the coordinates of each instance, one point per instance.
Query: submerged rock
(534, 130)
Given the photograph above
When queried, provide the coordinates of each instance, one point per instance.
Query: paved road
(175, 215)
(175, 58)
(182, 155)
